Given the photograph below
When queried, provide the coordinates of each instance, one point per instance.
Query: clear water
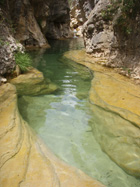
(63, 119)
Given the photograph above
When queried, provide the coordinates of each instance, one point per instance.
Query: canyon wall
(112, 33)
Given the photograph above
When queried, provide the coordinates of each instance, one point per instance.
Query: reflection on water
(64, 119)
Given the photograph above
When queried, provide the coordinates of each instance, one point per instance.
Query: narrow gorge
(69, 93)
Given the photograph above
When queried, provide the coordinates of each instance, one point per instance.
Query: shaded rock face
(80, 10)
(27, 29)
(105, 39)
(36, 20)
(24, 159)
(8, 45)
(53, 17)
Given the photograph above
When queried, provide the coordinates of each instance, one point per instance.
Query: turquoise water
(63, 119)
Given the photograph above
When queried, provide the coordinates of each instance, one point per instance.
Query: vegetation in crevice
(23, 60)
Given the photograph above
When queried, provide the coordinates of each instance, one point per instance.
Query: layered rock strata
(115, 102)
(24, 160)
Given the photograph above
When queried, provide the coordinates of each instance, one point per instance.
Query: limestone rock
(119, 44)
(33, 83)
(24, 159)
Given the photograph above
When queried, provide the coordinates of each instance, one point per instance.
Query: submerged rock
(33, 83)
(115, 102)
(24, 159)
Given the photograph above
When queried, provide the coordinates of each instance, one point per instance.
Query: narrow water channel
(62, 119)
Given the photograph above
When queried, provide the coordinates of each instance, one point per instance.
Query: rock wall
(24, 159)
(117, 44)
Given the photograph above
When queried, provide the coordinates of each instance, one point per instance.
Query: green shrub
(23, 60)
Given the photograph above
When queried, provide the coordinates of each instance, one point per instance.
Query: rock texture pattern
(104, 38)
(24, 160)
(116, 110)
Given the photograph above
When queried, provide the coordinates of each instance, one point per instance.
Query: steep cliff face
(109, 36)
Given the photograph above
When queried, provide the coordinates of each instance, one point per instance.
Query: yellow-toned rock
(33, 83)
(24, 159)
(116, 111)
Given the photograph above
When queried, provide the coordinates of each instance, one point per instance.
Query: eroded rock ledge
(115, 102)
(24, 159)
(33, 83)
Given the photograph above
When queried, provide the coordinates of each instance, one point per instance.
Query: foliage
(23, 60)
(3, 42)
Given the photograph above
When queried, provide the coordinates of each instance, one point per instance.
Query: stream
(63, 119)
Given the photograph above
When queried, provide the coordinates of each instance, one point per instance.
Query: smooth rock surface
(33, 83)
(116, 110)
(24, 160)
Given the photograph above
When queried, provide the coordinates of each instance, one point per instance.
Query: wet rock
(24, 159)
(33, 83)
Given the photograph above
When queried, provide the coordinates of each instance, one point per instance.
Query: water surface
(63, 119)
